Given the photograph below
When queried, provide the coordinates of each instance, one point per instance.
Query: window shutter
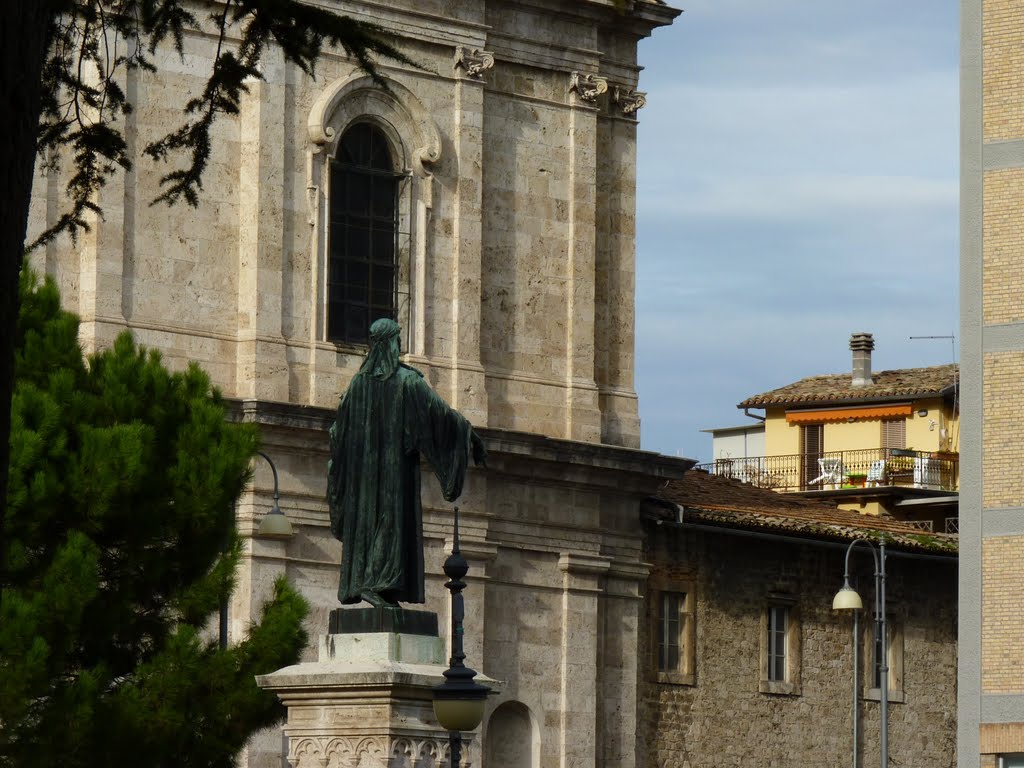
(894, 433)
(813, 439)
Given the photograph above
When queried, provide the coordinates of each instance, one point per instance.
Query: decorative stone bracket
(475, 62)
(629, 101)
(587, 86)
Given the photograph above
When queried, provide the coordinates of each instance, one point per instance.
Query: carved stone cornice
(587, 86)
(474, 62)
(629, 101)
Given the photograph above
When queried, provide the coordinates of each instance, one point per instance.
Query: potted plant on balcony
(856, 480)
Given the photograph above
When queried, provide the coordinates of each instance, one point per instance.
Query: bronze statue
(386, 419)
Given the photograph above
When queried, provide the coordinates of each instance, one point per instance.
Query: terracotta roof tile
(727, 502)
(838, 387)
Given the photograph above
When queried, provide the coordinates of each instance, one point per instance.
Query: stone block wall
(517, 217)
(724, 718)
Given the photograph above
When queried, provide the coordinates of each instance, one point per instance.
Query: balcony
(837, 470)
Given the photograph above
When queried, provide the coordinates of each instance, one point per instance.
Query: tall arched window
(362, 265)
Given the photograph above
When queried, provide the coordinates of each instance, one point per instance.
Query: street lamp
(847, 599)
(275, 523)
(459, 700)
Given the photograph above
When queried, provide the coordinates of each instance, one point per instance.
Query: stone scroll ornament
(629, 101)
(386, 420)
(474, 61)
(587, 86)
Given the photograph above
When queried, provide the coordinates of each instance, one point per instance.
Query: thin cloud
(799, 197)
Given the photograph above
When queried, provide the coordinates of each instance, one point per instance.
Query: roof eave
(895, 398)
(924, 542)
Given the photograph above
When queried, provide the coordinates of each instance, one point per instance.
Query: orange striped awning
(844, 414)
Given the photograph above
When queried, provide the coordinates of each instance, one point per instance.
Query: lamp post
(847, 599)
(459, 700)
(275, 524)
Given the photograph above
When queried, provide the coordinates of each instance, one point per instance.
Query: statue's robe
(382, 427)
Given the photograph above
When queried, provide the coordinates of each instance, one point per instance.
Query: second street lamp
(847, 599)
(459, 700)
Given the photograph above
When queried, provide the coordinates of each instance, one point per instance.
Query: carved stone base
(369, 752)
(367, 702)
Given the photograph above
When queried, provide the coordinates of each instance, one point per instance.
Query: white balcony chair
(832, 473)
(876, 473)
(927, 473)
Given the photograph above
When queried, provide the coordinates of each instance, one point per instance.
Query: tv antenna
(956, 392)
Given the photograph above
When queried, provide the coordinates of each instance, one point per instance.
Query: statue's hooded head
(382, 360)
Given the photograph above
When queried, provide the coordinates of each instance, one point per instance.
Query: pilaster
(261, 366)
(620, 663)
(581, 638)
(468, 393)
(582, 414)
(615, 277)
(101, 259)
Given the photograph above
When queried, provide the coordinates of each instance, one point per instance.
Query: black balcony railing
(832, 470)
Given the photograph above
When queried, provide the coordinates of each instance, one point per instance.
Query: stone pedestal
(384, 618)
(366, 703)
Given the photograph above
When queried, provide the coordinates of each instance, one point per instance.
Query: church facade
(485, 199)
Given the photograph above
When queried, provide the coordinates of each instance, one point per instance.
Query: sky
(797, 181)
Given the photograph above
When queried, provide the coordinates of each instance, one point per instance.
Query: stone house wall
(723, 718)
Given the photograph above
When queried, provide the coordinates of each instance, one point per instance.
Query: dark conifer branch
(82, 108)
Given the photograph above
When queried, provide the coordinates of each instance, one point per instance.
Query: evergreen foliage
(121, 544)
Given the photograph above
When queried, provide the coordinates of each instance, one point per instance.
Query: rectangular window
(876, 654)
(894, 657)
(894, 433)
(780, 646)
(778, 626)
(670, 625)
(672, 631)
(1011, 761)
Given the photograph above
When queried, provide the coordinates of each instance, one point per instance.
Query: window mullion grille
(363, 243)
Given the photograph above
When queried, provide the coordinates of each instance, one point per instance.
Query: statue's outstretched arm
(445, 438)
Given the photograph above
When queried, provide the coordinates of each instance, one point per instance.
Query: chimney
(861, 345)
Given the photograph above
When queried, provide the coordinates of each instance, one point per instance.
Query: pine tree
(123, 480)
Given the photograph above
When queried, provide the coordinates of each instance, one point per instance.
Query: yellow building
(881, 442)
(991, 626)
